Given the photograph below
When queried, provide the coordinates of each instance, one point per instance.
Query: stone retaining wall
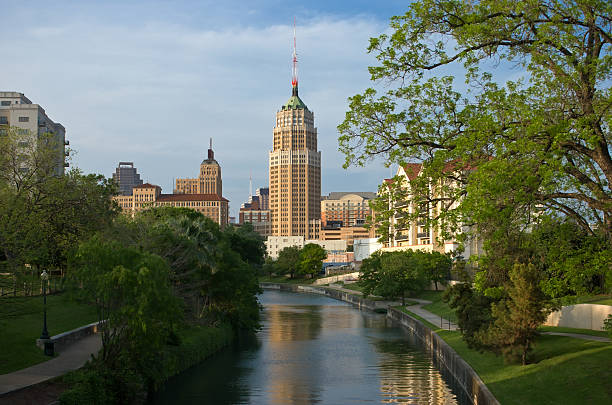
(63, 340)
(442, 354)
(581, 316)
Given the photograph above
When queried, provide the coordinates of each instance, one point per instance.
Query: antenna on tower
(251, 185)
(294, 71)
(210, 143)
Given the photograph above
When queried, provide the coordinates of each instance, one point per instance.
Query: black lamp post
(44, 277)
(45, 333)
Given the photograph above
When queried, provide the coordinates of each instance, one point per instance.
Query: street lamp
(45, 333)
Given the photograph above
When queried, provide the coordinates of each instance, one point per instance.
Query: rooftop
(190, 197)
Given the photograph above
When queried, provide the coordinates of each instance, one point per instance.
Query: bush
(608, 325)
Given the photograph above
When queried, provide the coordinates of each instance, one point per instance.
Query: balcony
(423, 235)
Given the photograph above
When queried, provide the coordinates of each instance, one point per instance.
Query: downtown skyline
(154, 90)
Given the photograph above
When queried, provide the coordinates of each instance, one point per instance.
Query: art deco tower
(295, 167)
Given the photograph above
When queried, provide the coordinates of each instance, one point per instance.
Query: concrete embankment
(442, 354)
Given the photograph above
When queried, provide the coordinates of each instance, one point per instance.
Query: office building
(32, 123)
(126, 177)
(294, 168)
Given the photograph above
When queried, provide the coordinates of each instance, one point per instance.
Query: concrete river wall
(443, 355)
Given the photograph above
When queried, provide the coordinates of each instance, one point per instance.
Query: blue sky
(151, 82)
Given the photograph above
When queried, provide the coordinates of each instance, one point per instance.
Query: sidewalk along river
(316, 350)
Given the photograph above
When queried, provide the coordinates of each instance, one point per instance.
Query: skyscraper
(127, 177)
(294, 167)
(208, 182)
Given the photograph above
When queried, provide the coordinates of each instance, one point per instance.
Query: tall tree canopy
(539, 143)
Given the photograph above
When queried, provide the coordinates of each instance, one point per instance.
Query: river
(315, 350)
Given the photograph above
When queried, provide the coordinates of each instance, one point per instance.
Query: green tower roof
(294, 102)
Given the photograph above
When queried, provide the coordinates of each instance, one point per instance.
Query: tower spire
(211, 154)
(294, 71)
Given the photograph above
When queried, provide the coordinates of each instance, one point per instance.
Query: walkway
(71, 358)
(416, 309)
(579, 336)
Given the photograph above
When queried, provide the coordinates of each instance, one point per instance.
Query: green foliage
(131, 290)
(393, 274)
(288, 260)
(518, 317)
(493, 155)
(472, 309)
(608, 325)
(43, 214)
(311, 259)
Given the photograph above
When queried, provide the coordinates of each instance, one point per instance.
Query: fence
(27, 285)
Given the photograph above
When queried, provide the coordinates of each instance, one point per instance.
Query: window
(3, 120)
(5, 103)
(24, 119)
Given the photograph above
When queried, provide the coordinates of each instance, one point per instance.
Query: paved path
(579, 336)
(446, 324)
(417, 309)
(71, 358)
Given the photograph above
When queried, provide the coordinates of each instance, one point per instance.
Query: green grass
(601, 299)
(561, 329)
(21, 324)
(286, 280)
(565, 370)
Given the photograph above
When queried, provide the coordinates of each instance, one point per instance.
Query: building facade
(294, 168)
(274, 244)
(350, 208)
(32, 122)
(149, 195)
(209, 180)
(126, 176)
(255, 213)
(416, 235)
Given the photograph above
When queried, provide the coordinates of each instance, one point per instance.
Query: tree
(473, 310)
(288, 260)
(131, 291)
(435, 265)
(393, 274)
(311, 259)
(44, 214)
(518, 317)
(537, 144)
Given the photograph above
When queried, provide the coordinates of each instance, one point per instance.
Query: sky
(152, 81)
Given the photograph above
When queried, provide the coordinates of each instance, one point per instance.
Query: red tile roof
(190, 197)
(412, 170)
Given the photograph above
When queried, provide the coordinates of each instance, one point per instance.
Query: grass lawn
(21, 324)
(286, 280)
(566, 371)
(573, 330)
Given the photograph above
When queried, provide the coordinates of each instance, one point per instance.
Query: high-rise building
(31, 121)
(208, 182)
(294, 167)
(126, 177)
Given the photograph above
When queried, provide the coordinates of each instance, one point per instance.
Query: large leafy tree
(495, 153)
(43, 214)
(311, 259)
(288, 260)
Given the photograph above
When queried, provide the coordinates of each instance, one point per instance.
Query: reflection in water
(314, 350)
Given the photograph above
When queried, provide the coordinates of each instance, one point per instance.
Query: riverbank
(195, 344)
(566, 370)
